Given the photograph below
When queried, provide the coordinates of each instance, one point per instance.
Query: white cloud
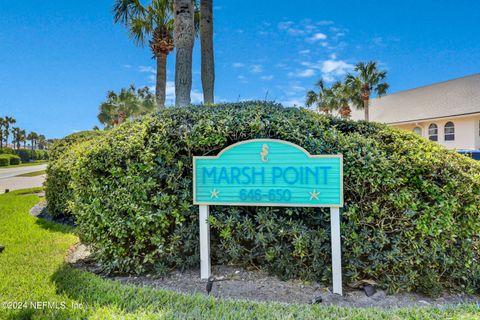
(331, 69)
(302, 73)
(324, 22)
(242, 79)
(306, 51)
(127, 66)
(238, 65)
(317, 36)
(146, 69)
(256, 68)
(267, 78)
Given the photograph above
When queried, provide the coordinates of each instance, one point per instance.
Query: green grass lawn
(28, 164)
(32, 174)
(32, 270)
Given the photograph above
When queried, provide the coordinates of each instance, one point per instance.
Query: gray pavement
(8, 179)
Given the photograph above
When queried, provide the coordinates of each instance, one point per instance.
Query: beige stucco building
(446, 112)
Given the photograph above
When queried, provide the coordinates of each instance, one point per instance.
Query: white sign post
(205, 269)
(266, 172)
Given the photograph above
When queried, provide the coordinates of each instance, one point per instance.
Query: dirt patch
(40, 211)
(237, 283)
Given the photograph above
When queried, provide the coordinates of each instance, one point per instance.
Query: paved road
(8, 179)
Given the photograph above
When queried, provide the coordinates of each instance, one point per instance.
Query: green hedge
(4, 160)
(6, 150)
(28, 155)
(9, 159)
(58, 190)
(410, 221)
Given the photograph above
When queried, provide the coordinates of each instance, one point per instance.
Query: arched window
(433, 132)
(417, 130)
(449, 130)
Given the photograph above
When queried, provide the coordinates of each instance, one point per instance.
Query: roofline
(436, 118)
(427, 85)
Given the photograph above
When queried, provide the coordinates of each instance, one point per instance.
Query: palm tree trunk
(366, 109)
(161, 86)
(184, 37)
(206, 39)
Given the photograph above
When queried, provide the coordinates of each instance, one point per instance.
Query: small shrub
(6, 150)
(62, 159)
(14, 160)
(4, 160)
(410, 220)
(9, 159)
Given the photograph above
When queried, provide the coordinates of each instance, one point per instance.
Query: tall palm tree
(153, 21)
(206, 40)
(343, 97)
(184, 33)
(128, 103)
(16, 133)
(23, 138)
(368, 80)
(32, 136)
(42, 141)
(321, 100)
(6, 125)
(2, 125)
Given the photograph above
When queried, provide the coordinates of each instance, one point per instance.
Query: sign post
(267, 172)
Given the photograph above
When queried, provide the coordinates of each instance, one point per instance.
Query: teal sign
(266, 172)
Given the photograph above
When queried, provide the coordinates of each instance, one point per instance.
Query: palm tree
(143, 22)
(42, 142)
(206, 40)
(129, 103)
(2, 125)
(184, 33)
(23, 138)
(321, 100)
(368, 80)
(343, 97)
(16, 132)
(32, 136)
(6, 124)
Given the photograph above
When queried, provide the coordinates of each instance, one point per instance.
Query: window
(433, 132)
(449, 131)
(417, 130)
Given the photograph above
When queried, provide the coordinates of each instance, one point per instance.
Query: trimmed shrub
(28, 155)
(410, 221)
(4, 160)
(8, 159)
(6, 150)
(62, 159)
(14, 160)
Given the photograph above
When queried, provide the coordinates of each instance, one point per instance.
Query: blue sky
(58, 58)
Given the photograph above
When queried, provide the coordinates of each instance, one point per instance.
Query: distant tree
(42, 142)
(128, 103)
(206, 41)
(6, 128)
(16, 133)
(23, 138)
(32, 136)
(367, 81)
(154, 22)
(321, 100)
(2, 127)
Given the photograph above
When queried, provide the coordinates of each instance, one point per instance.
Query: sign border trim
(340, 156)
